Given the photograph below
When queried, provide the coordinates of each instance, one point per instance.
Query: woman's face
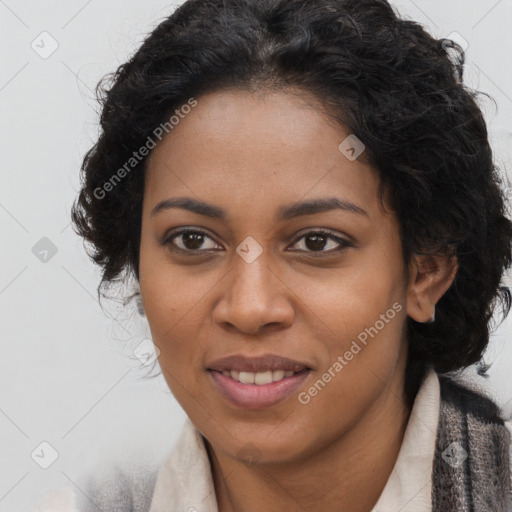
(256, 278)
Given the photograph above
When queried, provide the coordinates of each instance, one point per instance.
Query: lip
(241, 363)
(254, 396)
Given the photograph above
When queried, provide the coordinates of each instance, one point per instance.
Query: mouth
(258, 365)
(260, 378)
(257, 383)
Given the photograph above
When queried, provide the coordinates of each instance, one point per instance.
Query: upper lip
(262, 363)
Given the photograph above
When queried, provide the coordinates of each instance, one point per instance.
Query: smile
(258, 378)
(249, 390)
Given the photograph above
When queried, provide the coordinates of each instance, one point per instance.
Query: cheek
(169, 291)
(360, 314)
(171, 307)
(344, 302)
(174, 330)
(362, 356)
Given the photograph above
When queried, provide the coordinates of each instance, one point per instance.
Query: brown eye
(193, 241)
(317, 241)
(190, 240)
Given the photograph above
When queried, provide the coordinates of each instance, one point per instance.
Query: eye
(195, 240)
(190, 240)
(317, 241)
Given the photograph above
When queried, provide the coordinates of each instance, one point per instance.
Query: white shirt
(184, 481)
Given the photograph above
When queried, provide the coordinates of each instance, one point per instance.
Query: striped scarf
(471, 468)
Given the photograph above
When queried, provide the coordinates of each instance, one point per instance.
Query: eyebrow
(284, 213)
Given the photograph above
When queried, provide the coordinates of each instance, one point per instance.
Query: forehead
(257, 147)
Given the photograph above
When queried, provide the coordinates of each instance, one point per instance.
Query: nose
(254, 298)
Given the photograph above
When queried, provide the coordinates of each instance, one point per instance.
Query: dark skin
(250, 154)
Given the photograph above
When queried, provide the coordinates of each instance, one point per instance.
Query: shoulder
(477, 400)
(118, 490)
(469, 408)
(508, 426)
(108, 488)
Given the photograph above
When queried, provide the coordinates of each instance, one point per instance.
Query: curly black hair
(396, 87)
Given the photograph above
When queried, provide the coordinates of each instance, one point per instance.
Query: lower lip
(254, 396)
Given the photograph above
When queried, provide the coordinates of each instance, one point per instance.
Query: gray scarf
(470, 470)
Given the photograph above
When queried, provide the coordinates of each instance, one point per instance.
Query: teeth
(246, 377)
(263, 378)
(258, 378)
(277, 375)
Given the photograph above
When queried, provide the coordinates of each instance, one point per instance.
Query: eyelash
(168, 241)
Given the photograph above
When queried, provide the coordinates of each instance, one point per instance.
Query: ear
(429, 279)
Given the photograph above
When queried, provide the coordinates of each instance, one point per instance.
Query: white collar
(409, 486)
(185, 481)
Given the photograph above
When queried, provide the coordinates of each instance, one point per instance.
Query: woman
(306, 196)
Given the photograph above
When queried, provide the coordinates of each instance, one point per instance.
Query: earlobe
(430, 277)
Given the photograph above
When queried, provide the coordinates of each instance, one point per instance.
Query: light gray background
(68, 373)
